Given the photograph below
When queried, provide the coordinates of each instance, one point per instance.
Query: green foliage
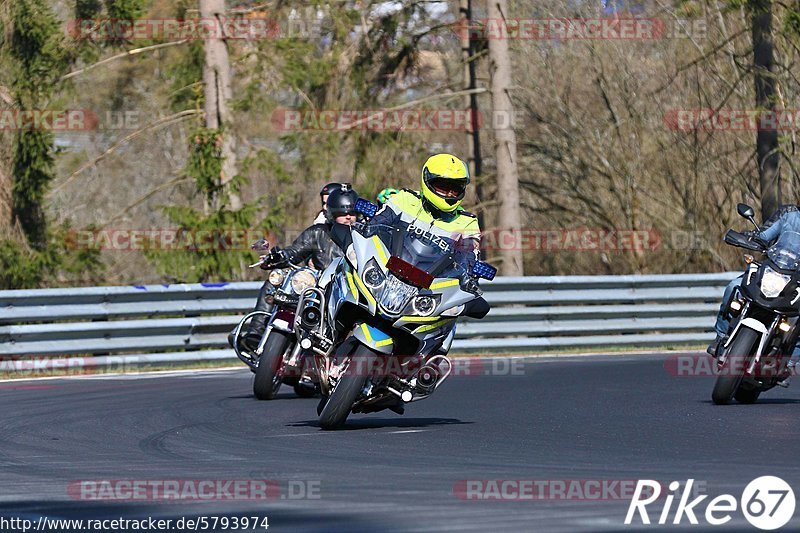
(125, 9)
(792, 20)
(36, 45)
(87, 9)
(205, 162)
(24, 268)
(214, 246)
(187, 91)
(32, 170)
(39, 59)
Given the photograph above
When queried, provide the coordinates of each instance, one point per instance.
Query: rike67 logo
(767, 503)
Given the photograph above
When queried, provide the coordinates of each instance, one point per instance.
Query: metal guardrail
(178, 323)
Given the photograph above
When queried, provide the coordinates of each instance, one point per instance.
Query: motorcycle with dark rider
(278, 358)
(764, 312)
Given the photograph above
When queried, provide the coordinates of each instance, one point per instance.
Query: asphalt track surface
(574, 418)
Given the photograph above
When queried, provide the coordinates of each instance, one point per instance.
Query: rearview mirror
(745, 211)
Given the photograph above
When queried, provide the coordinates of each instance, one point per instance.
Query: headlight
(351, 256)
(453, 311)
(373, 276)
(276, 277)
(302, 280)
(423, 305)
(773, 283)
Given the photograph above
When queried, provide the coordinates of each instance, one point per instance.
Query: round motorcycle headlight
(276, 277)
(302, 280)
(423, 305)
(373, 277)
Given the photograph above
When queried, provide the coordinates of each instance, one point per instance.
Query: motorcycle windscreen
(426, 251)
(785, 253)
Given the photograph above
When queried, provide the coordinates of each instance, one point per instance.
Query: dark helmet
(330, 187)
(342, 202)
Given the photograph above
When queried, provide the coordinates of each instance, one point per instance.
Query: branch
(144, 197)
(166, 121)
(412, 103)
(127, 53)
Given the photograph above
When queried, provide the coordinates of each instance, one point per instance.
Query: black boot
(715, 347)
(251, 337)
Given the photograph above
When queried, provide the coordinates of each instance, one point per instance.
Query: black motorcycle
(764, 311)
(278, 358)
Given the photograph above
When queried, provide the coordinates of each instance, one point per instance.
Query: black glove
(275, 257)
(470, 284)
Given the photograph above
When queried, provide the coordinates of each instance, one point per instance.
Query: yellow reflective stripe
(364, 290)
(429, 327)
(381, 251)
(419, 318)
(443, 284)
(365, 330)
(352, 286)
(384, 342)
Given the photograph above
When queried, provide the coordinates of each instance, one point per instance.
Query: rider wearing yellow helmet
(436, 207)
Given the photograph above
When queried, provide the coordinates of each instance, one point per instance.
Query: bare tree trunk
(217, 92)
(5, 201)
(473, 140)
(767, 148)
(508, 216)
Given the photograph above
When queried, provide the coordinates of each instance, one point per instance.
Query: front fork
(246, 359)
(765, 334)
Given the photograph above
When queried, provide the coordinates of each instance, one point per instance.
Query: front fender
(373, 338)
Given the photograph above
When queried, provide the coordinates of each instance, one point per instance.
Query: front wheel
(351, 383)
(737, 356)
(268, 378)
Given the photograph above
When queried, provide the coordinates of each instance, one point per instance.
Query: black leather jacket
(314, 243)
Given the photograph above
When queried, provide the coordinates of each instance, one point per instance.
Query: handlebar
(735, 238)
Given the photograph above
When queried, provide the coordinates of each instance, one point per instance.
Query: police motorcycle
(764, 312)
(382, 319)
(278, 358)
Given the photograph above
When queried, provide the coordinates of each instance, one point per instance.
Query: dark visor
(448, 187)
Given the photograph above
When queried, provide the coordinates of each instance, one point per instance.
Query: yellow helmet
(444, 181)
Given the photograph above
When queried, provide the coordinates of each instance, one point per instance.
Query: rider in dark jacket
(313, 244)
